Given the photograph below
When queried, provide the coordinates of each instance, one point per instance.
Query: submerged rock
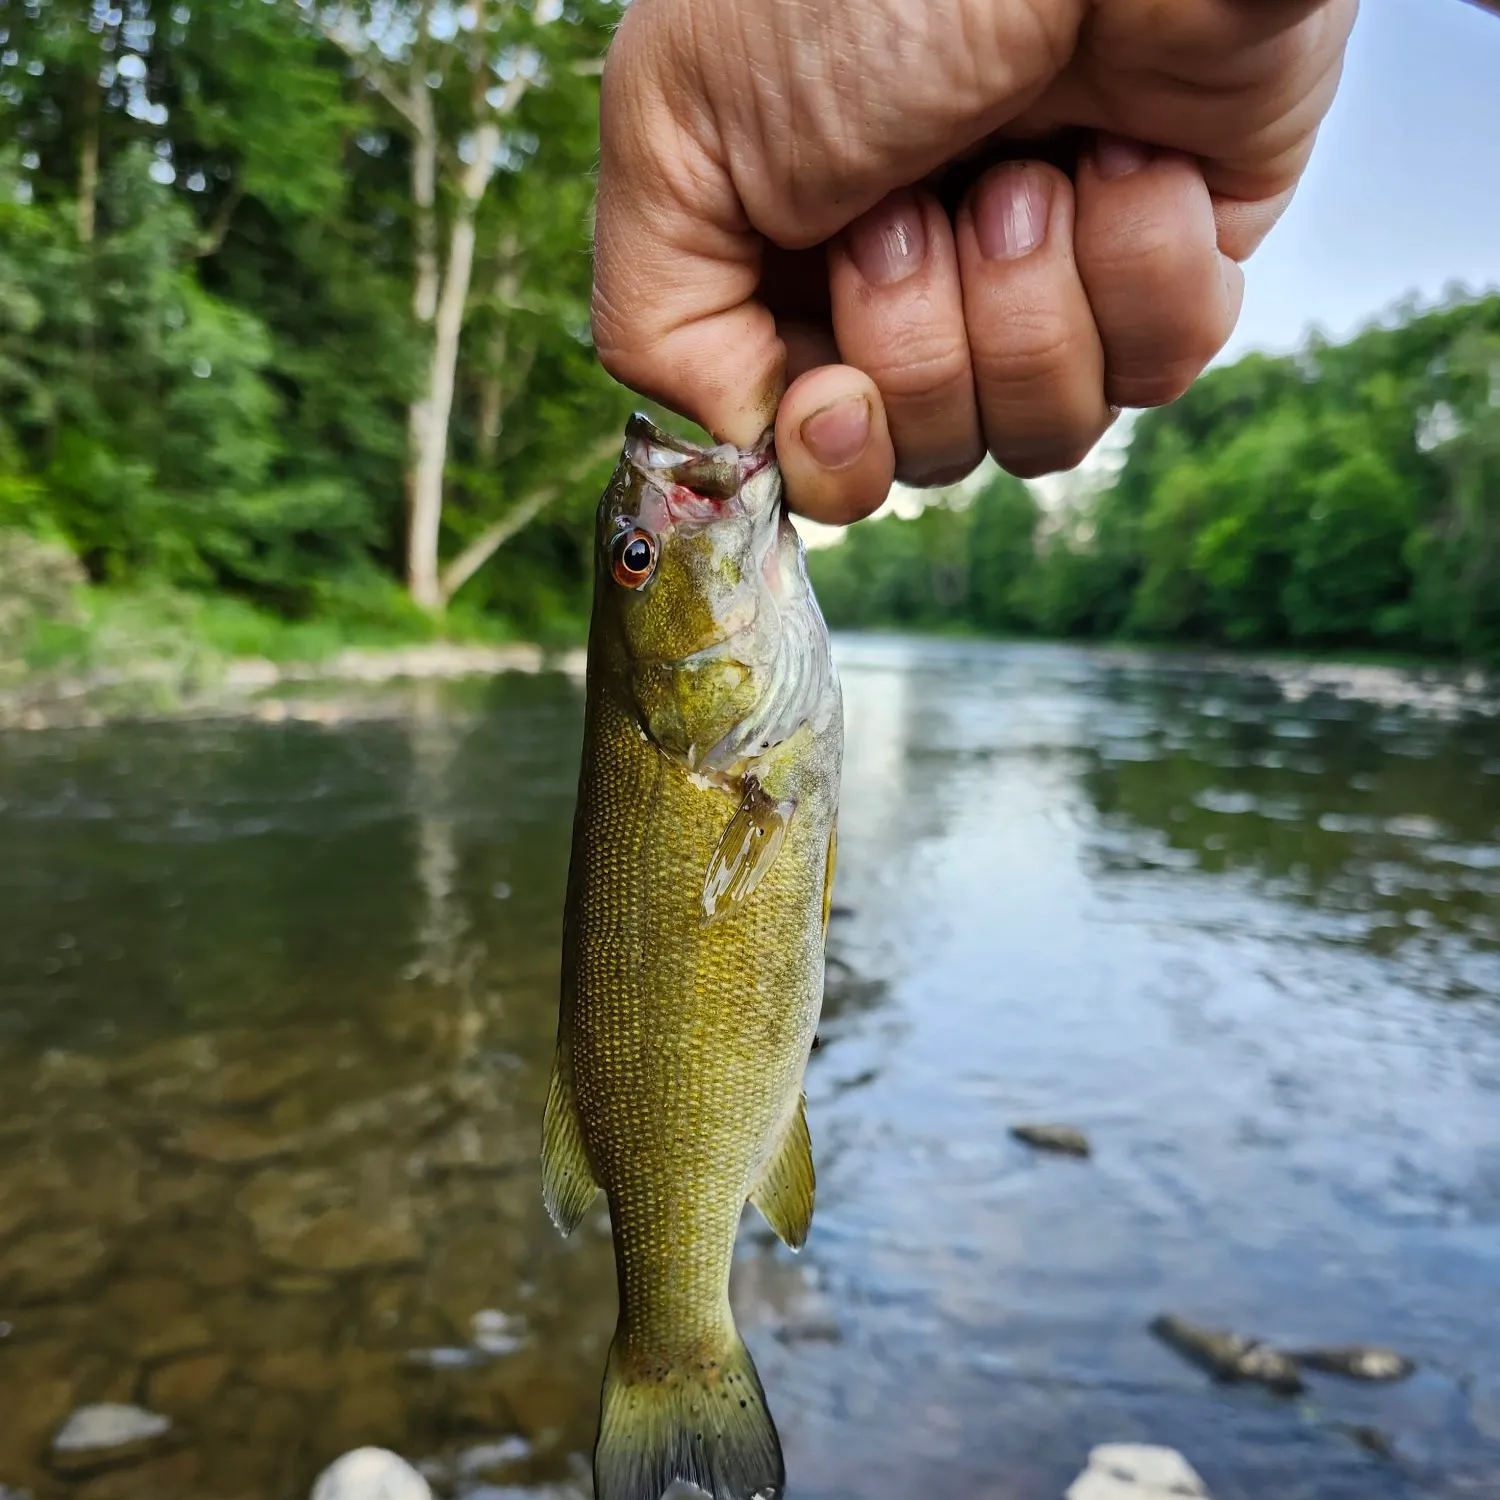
(1136, 1471)
(46, 1267)
(1068, 1140)
(1372, 1439)
(189, 1385)
(305, 1220)
(808, 1331)
(230, 1142)
(371, 1474)
(96, 1437)
(1230, 1357)
(1357, 1361)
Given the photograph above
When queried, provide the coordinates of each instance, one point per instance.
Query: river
(277, 1000)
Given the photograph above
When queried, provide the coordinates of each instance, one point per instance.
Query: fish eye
(634, 556)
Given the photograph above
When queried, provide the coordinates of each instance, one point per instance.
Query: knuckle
(1036, 347)
(918, 369)
(1137, 247)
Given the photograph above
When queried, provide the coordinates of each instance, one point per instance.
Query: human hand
(767, 214)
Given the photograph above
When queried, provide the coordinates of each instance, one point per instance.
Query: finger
(1241, 224)
(808, 345)
(676, 263)
(1038, 364)
(898, 315)
(1165, 298)
(833, 445)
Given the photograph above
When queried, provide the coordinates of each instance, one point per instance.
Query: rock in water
(1066, 1139)
(97, 1437)
(370, 1474)
(1136, 1471)
(1357, 1361)
(1229, 1356)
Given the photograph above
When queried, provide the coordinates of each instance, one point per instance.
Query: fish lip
(704, 477)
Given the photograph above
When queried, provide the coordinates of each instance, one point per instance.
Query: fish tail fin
(705, 1422)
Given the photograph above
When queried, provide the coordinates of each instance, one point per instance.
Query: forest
(1346, 497)
(294, 347)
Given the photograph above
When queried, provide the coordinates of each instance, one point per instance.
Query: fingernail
(890, 242)
(1118, 155)
(836, 435)
(1010, 211)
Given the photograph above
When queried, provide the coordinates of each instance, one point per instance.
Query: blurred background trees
(294, 314)
(1344, 497)
(294, 298)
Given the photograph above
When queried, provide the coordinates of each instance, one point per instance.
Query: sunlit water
(277, 1001)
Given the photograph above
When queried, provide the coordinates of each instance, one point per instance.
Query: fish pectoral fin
(703, 1420)
(746, 851)
(568, 1182)
(785, 1192)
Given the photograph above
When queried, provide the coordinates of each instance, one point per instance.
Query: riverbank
(261, 687)
(194, 680)
(74, 653)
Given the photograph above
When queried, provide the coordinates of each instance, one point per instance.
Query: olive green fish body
(693, 953)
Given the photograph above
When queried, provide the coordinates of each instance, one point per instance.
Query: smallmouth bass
(697, 912)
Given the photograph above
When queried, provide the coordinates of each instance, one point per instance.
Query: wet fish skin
(697, 910)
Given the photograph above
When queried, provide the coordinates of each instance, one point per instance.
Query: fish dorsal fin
(785, 1191)
(568, 1183)
(746, 852)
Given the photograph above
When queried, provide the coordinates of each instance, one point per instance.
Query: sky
(1403, 192)
(1402, 195)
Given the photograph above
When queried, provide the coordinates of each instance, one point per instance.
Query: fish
(696, 918)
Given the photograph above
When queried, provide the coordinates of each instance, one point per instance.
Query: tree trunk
(88, 162)
(517, 518)
(418, 109)
(492, 392)
(431, 415)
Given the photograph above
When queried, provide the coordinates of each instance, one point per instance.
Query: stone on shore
(111, 1433)
(1067, 1140)
(371, 1474)
(1136, 1471)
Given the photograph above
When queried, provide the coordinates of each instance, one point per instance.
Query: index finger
(677, 263)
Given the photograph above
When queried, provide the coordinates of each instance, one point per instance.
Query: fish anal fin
(746, 851)
(787, 1185)
(568, 1182)
(702, 1420)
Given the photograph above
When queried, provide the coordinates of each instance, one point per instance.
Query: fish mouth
(698, 483)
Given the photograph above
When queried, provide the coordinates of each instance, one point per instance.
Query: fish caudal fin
(705, 1423)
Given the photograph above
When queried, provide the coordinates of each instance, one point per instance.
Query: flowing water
(277, 1000)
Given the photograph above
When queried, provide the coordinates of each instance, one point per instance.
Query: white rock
(370, 1474)
(93, 1429)
(1136, 1471)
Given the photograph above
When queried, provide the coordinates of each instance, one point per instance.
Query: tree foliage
(294, 307)
(210, 349)
(1344, 497)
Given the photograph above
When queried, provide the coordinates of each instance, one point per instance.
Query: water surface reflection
(276, 1008)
